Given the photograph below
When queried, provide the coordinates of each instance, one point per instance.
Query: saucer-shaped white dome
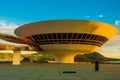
(68, 35)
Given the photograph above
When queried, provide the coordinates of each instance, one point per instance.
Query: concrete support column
(16, 57)
(64, 58)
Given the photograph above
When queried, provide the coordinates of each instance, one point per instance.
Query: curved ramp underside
(20, 40)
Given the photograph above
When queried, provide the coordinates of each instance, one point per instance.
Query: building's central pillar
(64, 58)
(16, 57)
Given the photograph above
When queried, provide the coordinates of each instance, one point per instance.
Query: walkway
(37, 71)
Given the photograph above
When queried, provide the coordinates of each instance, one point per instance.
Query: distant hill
(92, 57)
(79, 58)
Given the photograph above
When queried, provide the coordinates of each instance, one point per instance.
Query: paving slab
(38, 71)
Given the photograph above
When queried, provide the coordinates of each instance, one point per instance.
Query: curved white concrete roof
(67, 26)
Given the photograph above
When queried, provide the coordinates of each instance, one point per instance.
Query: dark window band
(69, 38)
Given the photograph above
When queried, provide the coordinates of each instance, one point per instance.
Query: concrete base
(16, 57)
(64, 58)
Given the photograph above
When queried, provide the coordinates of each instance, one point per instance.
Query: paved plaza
(38, 71)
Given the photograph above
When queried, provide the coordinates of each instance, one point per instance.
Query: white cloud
(100, 16)
(117, 23)
(115, 41)
(3, 24)
(87, 16)
(110, 51)
(111, 48)
(7, 28)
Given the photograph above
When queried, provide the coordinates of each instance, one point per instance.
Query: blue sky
(14, 13)
(26, 11)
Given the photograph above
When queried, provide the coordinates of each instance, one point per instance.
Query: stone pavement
(38, 71)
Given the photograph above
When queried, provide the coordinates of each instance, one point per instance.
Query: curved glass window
(69, 38)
